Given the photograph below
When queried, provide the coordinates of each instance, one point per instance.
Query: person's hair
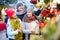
(18, 5)
(33, 14)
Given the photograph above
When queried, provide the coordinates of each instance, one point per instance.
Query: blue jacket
(37, 12)
(20, 16)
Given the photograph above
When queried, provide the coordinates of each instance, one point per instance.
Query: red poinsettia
(2, 26)
(52, 11)
(40, 24)
(45, 12)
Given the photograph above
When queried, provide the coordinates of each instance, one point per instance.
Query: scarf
(28, 19)
(16, 25)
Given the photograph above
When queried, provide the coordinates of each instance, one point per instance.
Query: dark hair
(18, 5)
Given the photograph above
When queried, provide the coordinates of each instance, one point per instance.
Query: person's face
(29, 13)
(20, 8)
(14, 15)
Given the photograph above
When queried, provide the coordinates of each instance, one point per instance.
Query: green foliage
(46, 1)
(11, 1)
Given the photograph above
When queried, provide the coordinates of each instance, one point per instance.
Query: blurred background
(48, 17)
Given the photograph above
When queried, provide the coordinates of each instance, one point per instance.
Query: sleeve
(37, 12)
(9, 30)
(24, 29)
(24, 18)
